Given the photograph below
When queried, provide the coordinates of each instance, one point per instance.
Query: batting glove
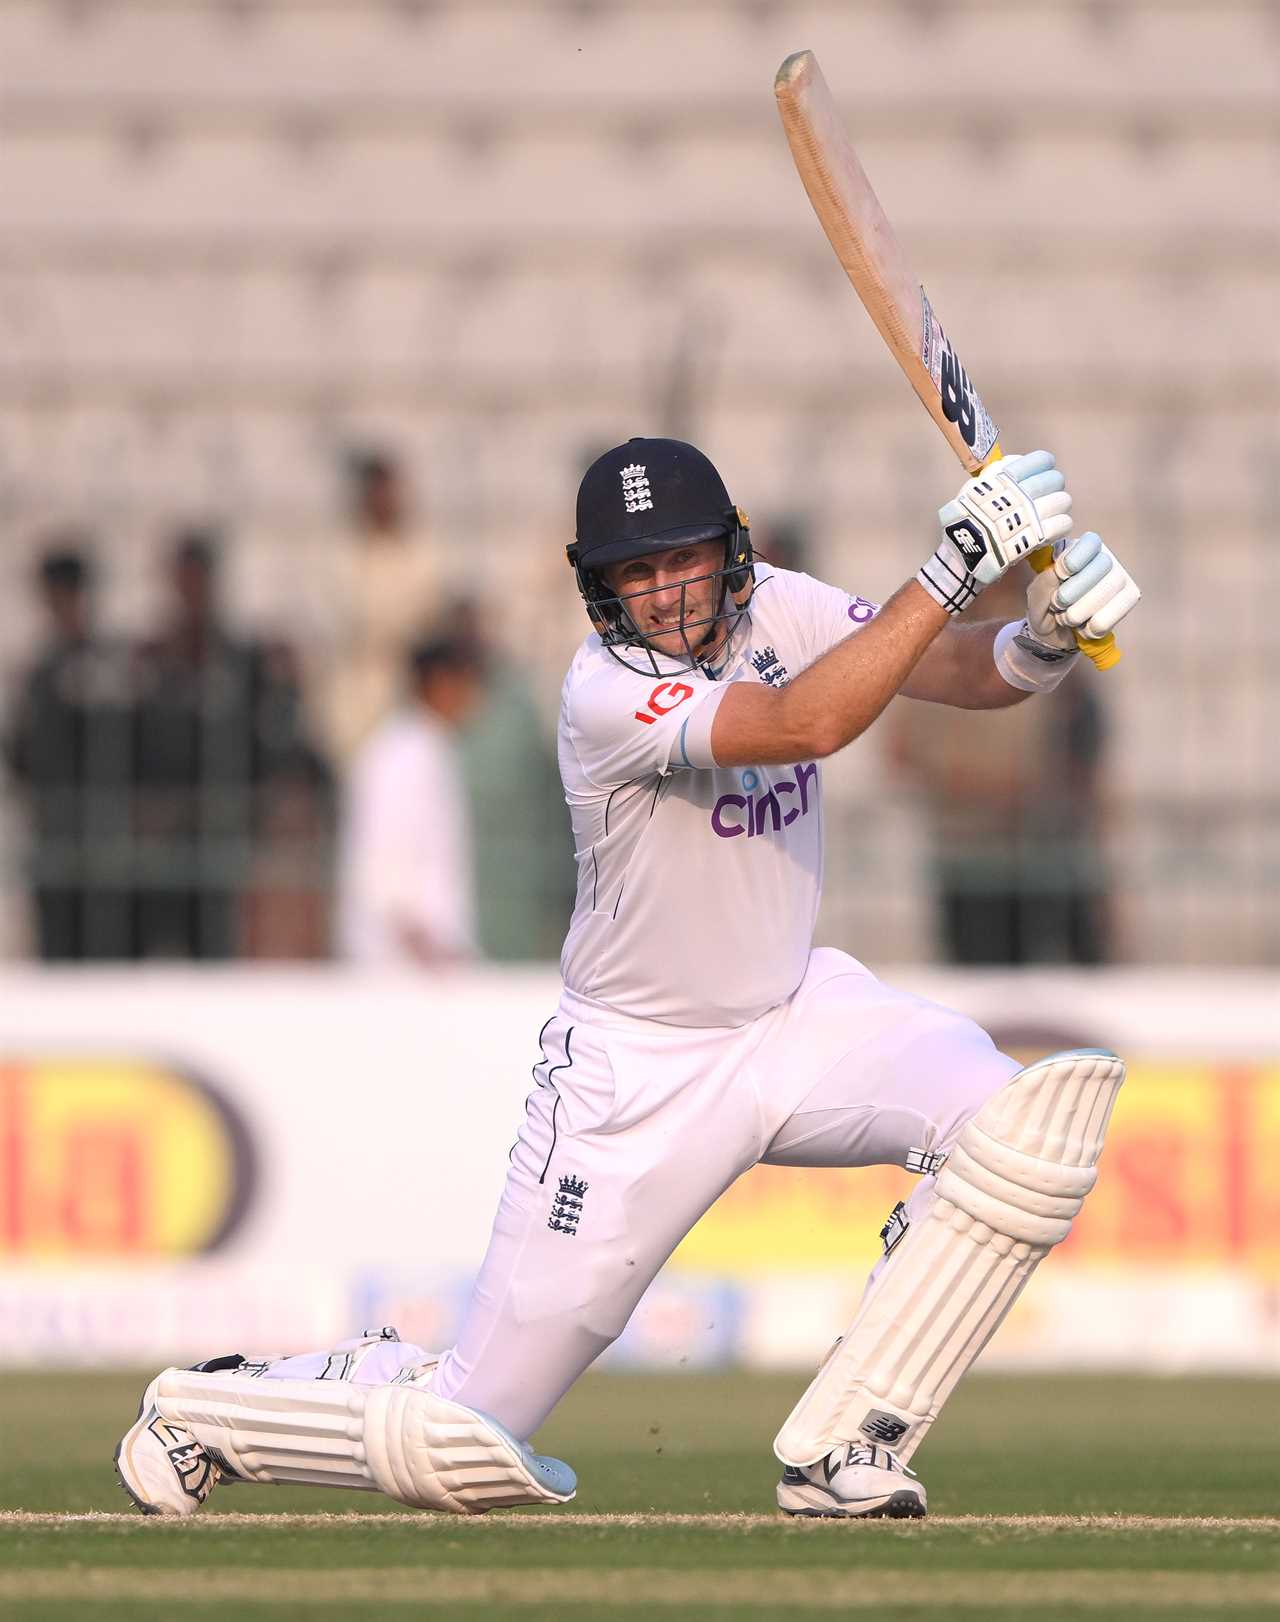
(1012, 507)
(1088, 590)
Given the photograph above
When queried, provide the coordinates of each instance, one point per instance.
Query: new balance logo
(959, 398)
(1038, 650)
(883, 1427)
(968, 541)
(566, 1208)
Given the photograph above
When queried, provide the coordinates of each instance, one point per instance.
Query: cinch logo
(115, 1157)
(777, 808)
(663, 699)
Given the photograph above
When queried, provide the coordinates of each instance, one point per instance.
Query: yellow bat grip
(1102, 650)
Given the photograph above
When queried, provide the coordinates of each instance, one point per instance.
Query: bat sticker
(960, 402)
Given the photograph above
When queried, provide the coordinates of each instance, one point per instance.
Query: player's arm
(836, 698)
(992, 664)
(1010, 509)
(959, 668)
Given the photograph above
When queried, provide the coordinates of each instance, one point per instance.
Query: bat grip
(1102, 650)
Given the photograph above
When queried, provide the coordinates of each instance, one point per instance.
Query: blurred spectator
(217, 718)
(1013, 805)
(405, 867)
(381, 588)
(524, 862)
(69, 745)
(287, 904)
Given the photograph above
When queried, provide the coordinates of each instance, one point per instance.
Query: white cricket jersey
(698, 885)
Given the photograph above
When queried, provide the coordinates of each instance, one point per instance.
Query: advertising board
(195, 1162)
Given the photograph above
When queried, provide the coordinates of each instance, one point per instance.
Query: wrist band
(947, 579)
(1030, 665)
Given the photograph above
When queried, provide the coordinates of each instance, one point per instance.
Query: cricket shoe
(160, 1464)
(857, 1480)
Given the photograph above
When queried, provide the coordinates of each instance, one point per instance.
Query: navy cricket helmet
(647, 496)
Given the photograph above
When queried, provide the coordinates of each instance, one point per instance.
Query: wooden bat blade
(865, 244)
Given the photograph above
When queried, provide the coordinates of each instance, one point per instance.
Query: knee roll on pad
(1016, 1195)
(1008, 1193)
(436, 1454)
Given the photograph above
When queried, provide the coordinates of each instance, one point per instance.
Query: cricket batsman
(700, 1031)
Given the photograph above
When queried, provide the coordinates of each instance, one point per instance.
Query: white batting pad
(1011, 1186)
(400, 1439)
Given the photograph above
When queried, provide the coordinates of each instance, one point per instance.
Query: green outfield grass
(1049, 1498)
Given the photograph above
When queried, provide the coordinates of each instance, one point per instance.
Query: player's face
(667, 591)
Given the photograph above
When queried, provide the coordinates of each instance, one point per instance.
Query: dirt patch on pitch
(550, 1520)
(740, 1591)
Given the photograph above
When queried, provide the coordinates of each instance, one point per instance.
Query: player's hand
(1012, 507)
(1088, 590)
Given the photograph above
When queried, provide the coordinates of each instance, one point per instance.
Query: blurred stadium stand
(238, 237)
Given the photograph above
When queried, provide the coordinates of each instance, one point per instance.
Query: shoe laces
(876, 1455)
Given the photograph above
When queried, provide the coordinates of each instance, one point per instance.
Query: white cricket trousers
(634, 1129)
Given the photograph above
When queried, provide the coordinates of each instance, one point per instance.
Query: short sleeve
(623, 725)
(826, 614)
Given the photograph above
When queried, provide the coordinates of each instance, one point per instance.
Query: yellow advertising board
(1187, 1180)
(105, 1158)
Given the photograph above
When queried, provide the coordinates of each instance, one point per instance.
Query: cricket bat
(874, 262)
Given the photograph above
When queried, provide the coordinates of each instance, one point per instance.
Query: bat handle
(1102, 650)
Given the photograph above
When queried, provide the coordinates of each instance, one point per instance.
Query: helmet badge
(635, 489)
